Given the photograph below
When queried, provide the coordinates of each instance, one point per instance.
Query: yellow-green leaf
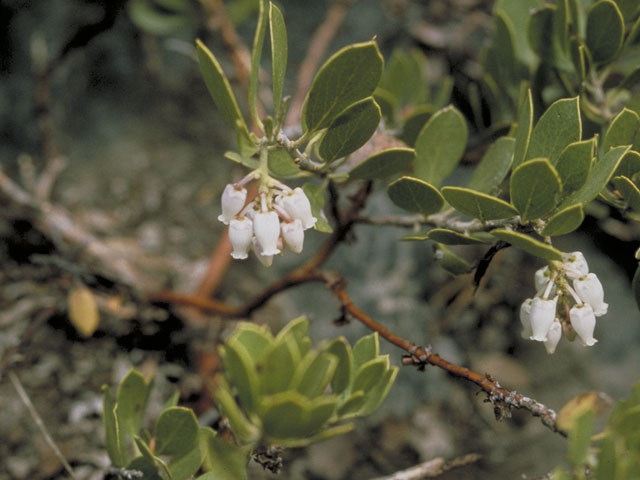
(176, 431)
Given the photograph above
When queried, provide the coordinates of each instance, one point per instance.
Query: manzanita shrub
(561, 82)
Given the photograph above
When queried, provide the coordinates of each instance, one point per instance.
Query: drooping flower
(525, 318)
(583, 321)
(543, 312)
(240, 234)
(293, 235)
(266, 226)
(266, 260)
(575, 265)
(297, 205)
(590, 290)
(553, 336)
(233, 199)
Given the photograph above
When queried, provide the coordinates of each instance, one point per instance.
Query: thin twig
(432, 468)
(38, 420)
(437, 220)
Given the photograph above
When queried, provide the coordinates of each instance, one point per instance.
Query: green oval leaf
(319, 413)
(281, 164)
(283, 415)
(227, 460)
(349, 75)
(414, 195)
(131, 402)
(240, 370)
(565, 221)
(384, 164)
(494, 166)
(559, 126)
(534, 187)
(242, 428)
(279, 366)
(279, 52)
(451, 237)
(622, 131)
(574, 165)
(343, 372)
(350, 129)
(478, 205)
(316, 374)
(370, 373)
(379, 392)
(440, 145)
(527, 244)
(523, 131)
(176, 431)
(601, 173)
(605, 31)
(365, 349)
(256, 339)
(414, 122)
(220, 89)
(352, 405)
(629, 191)
(629, 165)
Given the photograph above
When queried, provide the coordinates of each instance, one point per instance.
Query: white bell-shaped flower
(293, 235)
(553, 336)
(583, 321)
(297, 205)
(266, 227)
(525, 318)
(590, 290)
(266, 260)
(575, 265)
(542, 314)
(233, 199)
(542, 277)
(240, 235)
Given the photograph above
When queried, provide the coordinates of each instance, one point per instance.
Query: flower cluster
(277, 217)
(567, 284)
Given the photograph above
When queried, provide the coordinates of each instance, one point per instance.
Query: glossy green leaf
(451, 237)
(349, 75)
(220, 89)
(415, 195)
(528, 244)
(574, 165)
(559, 126)
(605, 30)
(477, 204)
(365, 349)
(451, 261)
(256, 339)
(279, 52)
(440, 145)
(352, 405)
(350, 129)
(131, 402)
(534, 188)
(279, 366)
(155, 21)
(494, 166)
(379, 393)
(228, 461)
(343, 372)
(384, 164)
(413, 124)
(600, 175)
(281, 164)
(370, 373)
(580, 438)
(315, 375)
(256, 56)
(629, 191)
(565, 221)
(113, 438)
(622, 131)
(240, 370)
(524, 129)
(315, 194)
(176, 431)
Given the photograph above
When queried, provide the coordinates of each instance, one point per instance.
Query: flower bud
(240, 234)
(553, 336)
(542, 314)
(575, 265)
(525, 318)
(293, 235)
(266, 260)
(266, 226)
(297, 205)
(589, 289)
(583, 322)
(233, 199)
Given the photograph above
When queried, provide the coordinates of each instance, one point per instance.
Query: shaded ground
(145, 169)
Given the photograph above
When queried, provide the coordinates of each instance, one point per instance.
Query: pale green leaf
(524, 129)
(580, 438)
(256, 339)
(249, 162)
(574, 165)
(350, 129)
(365, 349)
(343, 372)
(279, 366)
(565, 221)
(352, 404)
(494, 166)
(605, 30)
(131, 402)
(415, 195)
(283, 415)
(370, 373)
(228, 461)
(242, 428)
(559, 126)
(622, 131)
(281, 164)
(316, 375)
(384, 164)
(440, 145)
(176, 432)
(185, 466)
(534, 188)
(113, 439)
(278, 34)
(349, 75)
(477, 204)
(527, 244)
(379, 392)
(240, 371)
